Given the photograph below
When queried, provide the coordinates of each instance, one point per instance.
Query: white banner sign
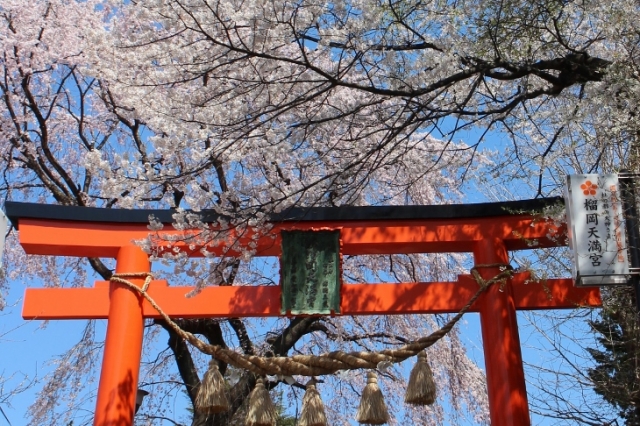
(596, 230)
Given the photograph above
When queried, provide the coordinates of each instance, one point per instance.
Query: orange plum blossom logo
(589, 188)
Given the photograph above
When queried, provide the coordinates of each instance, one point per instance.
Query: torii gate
(487, 230)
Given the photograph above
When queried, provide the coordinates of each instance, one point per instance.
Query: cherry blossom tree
(250, 107)
(73, 140)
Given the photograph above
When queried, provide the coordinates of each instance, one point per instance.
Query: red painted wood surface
(123, 345)
(87, 239)
(263, 301)
(501, 342)
(488, 238)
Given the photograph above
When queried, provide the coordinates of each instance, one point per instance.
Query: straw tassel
(421, 389)
(372, 409)
(261, 410)
(312, 408)
(212, 396)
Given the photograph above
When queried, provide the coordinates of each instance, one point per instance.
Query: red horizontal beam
(87, 239)
(264, 301)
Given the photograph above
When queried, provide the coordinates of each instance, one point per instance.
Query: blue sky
(26, 348)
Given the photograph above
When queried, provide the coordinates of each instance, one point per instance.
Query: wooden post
(123, 346)
(628, 195)
(502, 353)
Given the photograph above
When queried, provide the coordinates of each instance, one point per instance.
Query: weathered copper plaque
(310, 272)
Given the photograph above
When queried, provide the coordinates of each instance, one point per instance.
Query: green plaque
(310, 272)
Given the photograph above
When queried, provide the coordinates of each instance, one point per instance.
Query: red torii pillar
(488, 238)
(501, 341)
(123, 344)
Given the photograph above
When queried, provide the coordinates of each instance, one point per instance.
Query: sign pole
(633, 235)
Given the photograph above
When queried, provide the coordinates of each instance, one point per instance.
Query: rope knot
(506, 271)
(121, 278)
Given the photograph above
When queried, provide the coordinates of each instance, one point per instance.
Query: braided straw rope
(315, 365)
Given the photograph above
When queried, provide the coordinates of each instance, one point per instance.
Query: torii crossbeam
(487, 230)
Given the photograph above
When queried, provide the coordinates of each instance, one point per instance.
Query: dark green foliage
(616, 376)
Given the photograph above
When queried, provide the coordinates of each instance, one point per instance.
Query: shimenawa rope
(315, 365)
